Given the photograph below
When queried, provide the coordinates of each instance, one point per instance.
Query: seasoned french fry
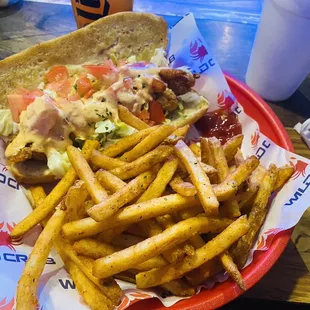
(54, 197)
(114, 263)
(85, 173)
(195, 149)
(95, 249)
(161, 181)
(110, 234)
(177, 135)
(179, 288)
(75, 201)
(181, 187)
(211, 249)
(144, 163)
(112, 290)
(130, 191)
(88, 204)
(38, 195)
(92, 296)
(239, 157)
(128, 118)
(149, 143)
(137, 230)
(128, 142)
(109, 181)
(131, 214)
(103, 161)
(225, 190)
(243, 171)
(29, 280)
(206, 153)
(231, 269)
(231, 146)
(126, 240)
(198, 177)
(256, 217)
(284, 173)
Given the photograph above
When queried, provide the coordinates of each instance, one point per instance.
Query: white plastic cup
(280, 58)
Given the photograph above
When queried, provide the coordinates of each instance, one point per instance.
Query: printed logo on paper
(264, 242)
(299, 172)
(299, 167)
(6, 305)
(254, 138)
(5, 238)
(225, 99)
(197, 50)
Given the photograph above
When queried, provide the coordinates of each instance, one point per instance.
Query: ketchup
(222, 124)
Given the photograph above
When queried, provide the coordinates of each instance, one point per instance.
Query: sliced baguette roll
(119, 35)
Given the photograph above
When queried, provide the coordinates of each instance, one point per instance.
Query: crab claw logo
(225, 99)
(5, 238)
(4, 305)
(299, 167)
(198, 50)
(3, 167)
(254, 138)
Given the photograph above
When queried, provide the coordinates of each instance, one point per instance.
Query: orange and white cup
(87, 11)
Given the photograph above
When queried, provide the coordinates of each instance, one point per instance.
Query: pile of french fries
(150, 210)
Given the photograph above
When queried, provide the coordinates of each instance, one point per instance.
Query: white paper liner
(57, 291)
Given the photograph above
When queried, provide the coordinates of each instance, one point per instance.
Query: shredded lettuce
(159, 58)
(108, 132)
(58, 163)
(7, 126)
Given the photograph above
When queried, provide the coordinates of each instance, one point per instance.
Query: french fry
(95, 249)
(256, 217)
(225, 190)
(128, 118)
(284, 173)
(181, 187)
(85, 173)
(128, 142)
(198, 177)
(217, 245)
(162, 179)
(231, 146)
(112, 204)
(238, 157)
(103, 161)
(125, 240)
(177, 135)
(88, 204)
(149, 143)
(206, 153)
(142, 164)
(243, 171)
(195, 149)
(92, 296)
(75, 201)
(110, 234)
(129, 215)
(29, 280)
(179, 288)
(231, 269)
(109, 181)
(54, 197)
(38, 195)
(136, 254)
(112, 290)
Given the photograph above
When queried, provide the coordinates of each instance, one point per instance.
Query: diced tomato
(57, 74)
(89, 93)
(16, 105)
(128, 83)
(99, 70)
(64, 89)
(144, 115)
(31, 95)
(83, 86)
(74, 97)
(156, 112)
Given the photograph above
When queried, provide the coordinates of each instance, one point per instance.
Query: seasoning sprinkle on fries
(149, 203)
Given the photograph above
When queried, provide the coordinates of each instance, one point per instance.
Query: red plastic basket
(225, 292)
